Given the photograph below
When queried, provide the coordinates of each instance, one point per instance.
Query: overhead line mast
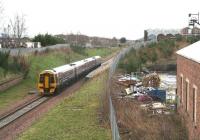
(194, 19)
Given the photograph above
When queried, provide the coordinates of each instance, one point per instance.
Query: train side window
(51, 79)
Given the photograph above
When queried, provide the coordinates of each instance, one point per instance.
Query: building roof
(191, 52)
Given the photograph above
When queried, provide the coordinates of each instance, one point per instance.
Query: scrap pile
(145, 91)
(151, 80)
(127, 80)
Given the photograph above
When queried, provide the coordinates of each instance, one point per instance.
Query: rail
(12, 116)
(5, 84)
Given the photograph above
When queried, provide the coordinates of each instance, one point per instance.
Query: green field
(76, 118)
(42, 62)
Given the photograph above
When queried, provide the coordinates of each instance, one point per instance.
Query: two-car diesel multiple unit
(51, 81)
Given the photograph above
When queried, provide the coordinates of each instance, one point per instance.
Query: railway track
(24, 109)
(12, 116)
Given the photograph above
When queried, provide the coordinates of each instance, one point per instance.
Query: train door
(46, 81)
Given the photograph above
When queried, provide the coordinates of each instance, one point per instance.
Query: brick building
(185, 31)
(196, 31)
(188, 88)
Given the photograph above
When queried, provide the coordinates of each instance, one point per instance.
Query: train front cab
(47, 83)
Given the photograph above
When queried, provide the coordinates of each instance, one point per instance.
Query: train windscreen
(41, 78)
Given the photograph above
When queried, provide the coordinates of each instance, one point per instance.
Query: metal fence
(25, 51)
(113, 120)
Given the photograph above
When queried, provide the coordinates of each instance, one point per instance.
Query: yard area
(145, 119)
(74, 118)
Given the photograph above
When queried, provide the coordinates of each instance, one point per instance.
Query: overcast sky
(106, 18)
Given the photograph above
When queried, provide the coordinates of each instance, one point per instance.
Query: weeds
(15, 64)
(138, 125)
(79, 49)
(193, 39)
(136, 59)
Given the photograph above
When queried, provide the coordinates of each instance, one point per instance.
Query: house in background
(188, 88)
(32, 45)
(190, 31)
(6, 42)
(185, 31)
(161, 37)
(196, 31)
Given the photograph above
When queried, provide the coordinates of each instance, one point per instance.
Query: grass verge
(76, 118)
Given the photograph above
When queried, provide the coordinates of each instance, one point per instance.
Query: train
(52, 81)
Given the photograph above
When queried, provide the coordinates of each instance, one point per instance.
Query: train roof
(96, 57)
(81, 62)
(47, 71)
(63, 68)
(71, 66)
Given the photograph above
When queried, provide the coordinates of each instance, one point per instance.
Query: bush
(123, 40)
(143, 55)
(166, 47)
(178, 37)
(78, 49)
(193, 39)
(131, 62)
(153, 56)
(136, 59)
(47, 39)
(152, 45)
(14, 64)
(4, 58)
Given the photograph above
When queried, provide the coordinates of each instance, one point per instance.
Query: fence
(25, 51)
(113, 120)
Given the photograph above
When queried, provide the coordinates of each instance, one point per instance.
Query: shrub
(48, 39)
(135, 59)
(14, 64)
(143, 55)
(20, 64)
(178, 37)
(4, 58)
(193, 39)
(78, 49)
(153, 56)
(131, 62)
(152, 45)
(123, 40)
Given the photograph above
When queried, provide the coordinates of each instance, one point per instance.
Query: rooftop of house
(191, 52)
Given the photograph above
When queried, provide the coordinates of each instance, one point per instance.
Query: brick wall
(190, 71)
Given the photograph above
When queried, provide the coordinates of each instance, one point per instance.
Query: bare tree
(18, 28)
(6, 36)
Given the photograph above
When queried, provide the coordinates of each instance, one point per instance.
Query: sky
(104, 18)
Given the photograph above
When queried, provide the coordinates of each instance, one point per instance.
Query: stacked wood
(151, 80)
